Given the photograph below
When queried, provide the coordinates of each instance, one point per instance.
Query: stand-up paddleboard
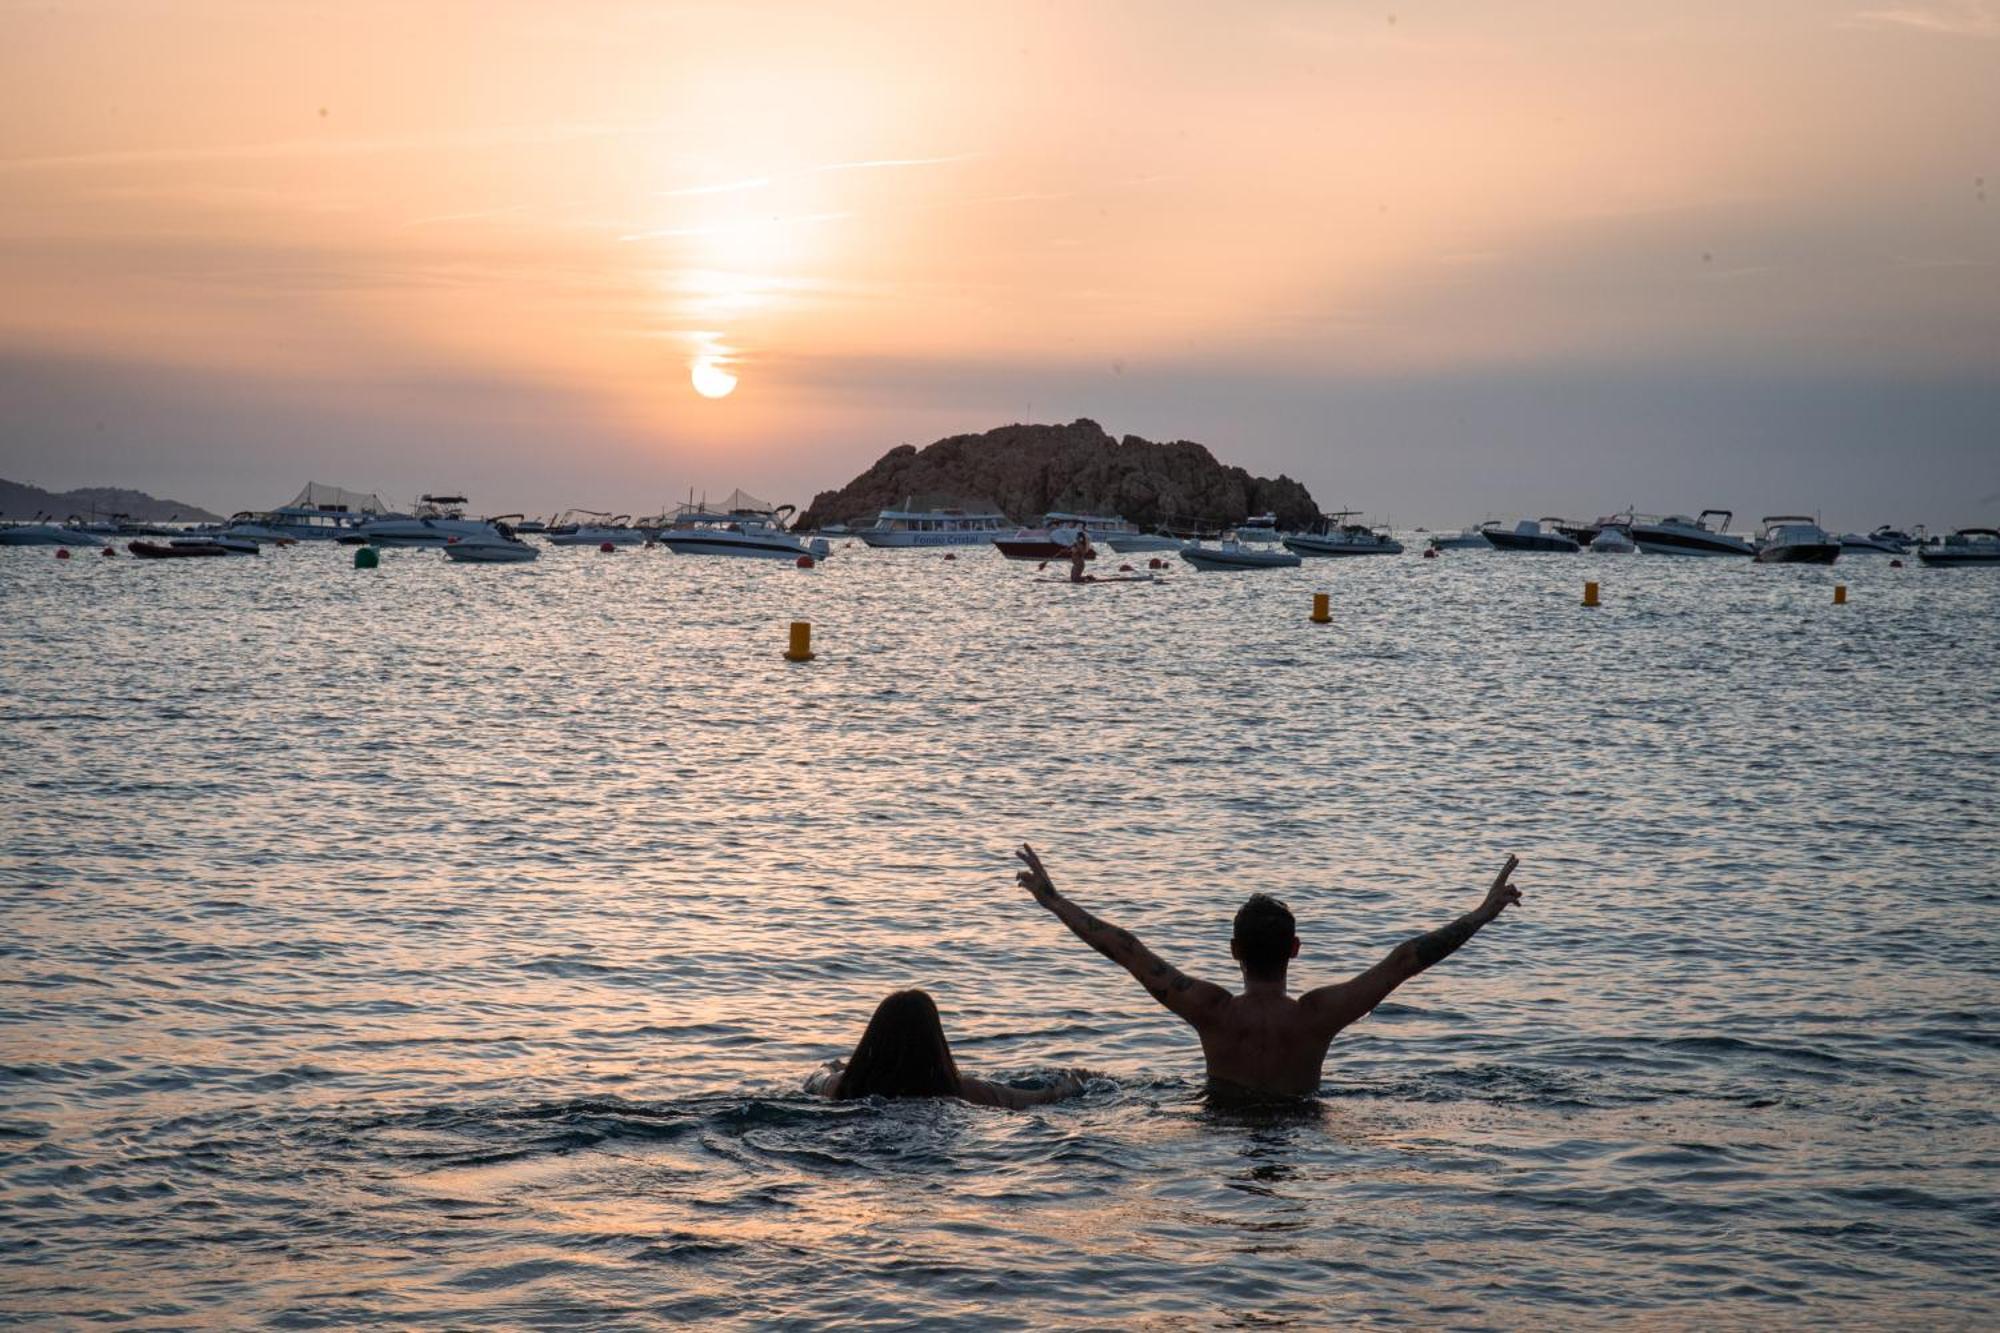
(1095, 579)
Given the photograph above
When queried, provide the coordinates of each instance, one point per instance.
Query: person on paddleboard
(1265, 1042)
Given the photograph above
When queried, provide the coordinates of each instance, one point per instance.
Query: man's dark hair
(1264, 934)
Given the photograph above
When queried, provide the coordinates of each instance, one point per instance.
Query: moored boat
(182, 550)
(1612, 539)
(1465, 539)
(742, 525)
(1233, 554)
(589, 527)
(1334, 535)
(502, 548)
(1059, 532)
(1677, 534)
(1532, 535)
(951, 526)
(1795, 539)
(1967, 546)
(1884, 540)
(46, 534)
(436, 521)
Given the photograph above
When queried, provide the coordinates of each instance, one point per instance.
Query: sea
(440, 945)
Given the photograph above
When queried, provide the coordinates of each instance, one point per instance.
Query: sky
(1438, 261)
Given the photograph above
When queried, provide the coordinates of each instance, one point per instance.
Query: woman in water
(904, 1054)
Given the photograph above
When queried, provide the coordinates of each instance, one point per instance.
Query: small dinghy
(1236, 555)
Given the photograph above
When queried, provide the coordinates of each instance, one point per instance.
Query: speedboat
(184, 549)
(1529, 535)
(588, 527)
(1794, 539)
(910, 526)
(1465, 539)
(1059, 532)
(745, 527)
(1885, 540)
(436, 520)
(1234, 554)
(502, 548)
(1613, 540)
(46, 534)
(1967, 546)
(1678, 534)
(1334, 535)
(1138, 543)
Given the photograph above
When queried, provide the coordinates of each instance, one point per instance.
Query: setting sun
(710, 379)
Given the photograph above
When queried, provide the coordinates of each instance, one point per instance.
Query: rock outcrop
(20, 500)
(1026, 471)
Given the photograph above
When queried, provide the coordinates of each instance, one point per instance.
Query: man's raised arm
(1191, 999)
(1334, 1007)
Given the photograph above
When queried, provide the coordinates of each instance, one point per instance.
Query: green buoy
(366, 557)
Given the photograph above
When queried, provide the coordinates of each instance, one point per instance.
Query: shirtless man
(1264, 1042)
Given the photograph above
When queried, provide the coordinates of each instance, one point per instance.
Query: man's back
(1264, 1041)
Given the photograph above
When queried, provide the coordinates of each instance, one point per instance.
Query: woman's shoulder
(825, 1081)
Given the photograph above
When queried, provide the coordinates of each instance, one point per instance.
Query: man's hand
(1035, 879)
(1502, 895)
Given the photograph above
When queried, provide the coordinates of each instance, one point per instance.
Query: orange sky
(891, 222)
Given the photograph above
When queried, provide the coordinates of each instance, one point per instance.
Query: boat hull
(1502, 540)
(1931, 557)
(491, 553)
(1031, 548)
(898, 540)
(44, 534)
(1306, 544)
(1141, 542)
(1202, 558)
(180, 551)
(683, 544)
(1668, 541)
(1802, 553)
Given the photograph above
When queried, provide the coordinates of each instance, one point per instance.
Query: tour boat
(741, 526)
(1885, 540)
(1234, 554)
(1795, 539)
(1334, 535)
(910, 526)
(1530, 535)
(436, 520)
(1967, 546)
(1678, 534)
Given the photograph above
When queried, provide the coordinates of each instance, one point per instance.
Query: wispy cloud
(721, 228)
(726, 187)
(876, 163)
(1965, 18)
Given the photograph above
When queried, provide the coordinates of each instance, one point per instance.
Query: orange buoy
(805, 562)
(1895, 564)
(1124, 569)
(111, 550)
(1430, 553)
(1043, 565)
(607, 548)
(62, 552)
(1156, 563)
(950, 556)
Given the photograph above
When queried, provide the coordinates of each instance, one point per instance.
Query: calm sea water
(441, 944)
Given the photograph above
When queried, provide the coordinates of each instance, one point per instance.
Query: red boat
(180, 550)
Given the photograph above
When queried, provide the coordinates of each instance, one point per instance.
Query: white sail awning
(332, 499)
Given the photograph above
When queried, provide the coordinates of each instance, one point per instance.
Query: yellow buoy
(801, 645)
(1840, 594)
(1590, 594)
(1321, 614)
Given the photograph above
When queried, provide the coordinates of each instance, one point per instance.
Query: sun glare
(710, 379)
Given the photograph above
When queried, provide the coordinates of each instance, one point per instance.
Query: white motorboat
(1885, 540)
(588, 527)
(1335, 535)
(1257, 528)
(910, 526)
(1794, 539)
(436, 521)
(1967, 546)
(1531, 535)
(741, 526)
(1465, 539)
(1613, 540)
(46, 534)
(1138, 543)
(502, 548)
(1234, 554)
(1677, 534)
(318, 513)
(231, 542)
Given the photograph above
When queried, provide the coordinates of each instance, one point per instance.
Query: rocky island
(1026, 471)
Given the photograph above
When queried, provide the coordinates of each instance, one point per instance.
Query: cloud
(1967, 18)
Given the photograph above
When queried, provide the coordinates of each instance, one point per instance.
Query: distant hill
(20, 500)
(1029, 470)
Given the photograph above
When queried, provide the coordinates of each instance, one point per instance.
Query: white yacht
(1234, 553)
(741, 526)
(319, 513)
(1335, 535)
(436, 521)
(1613, 540)
(910, 526)
(1678, 534)
(1795, 539)
(588, 527)
(503, 547)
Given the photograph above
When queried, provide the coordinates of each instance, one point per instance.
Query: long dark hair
(903, 1053)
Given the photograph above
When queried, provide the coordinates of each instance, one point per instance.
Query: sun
(710, 379)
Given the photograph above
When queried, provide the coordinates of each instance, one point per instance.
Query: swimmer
(1265, 1043)
(904, 1054)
